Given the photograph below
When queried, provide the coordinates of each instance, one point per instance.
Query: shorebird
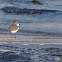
(13, 28)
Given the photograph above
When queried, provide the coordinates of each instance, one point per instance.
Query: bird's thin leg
(11, 36)
(15, 36)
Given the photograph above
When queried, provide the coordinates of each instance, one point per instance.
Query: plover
(14, 28)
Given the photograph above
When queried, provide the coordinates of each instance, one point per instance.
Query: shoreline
(29, 41)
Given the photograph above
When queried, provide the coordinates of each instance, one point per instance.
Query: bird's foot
(15, 37)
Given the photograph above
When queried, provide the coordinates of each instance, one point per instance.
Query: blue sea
(39, 38)
(34, 28)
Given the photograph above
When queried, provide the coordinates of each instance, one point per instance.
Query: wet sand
(30, 48)
(30, 41)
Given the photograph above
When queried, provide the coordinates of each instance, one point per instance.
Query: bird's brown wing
(13, 27)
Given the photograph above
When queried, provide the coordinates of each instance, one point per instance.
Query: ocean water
(37, 28)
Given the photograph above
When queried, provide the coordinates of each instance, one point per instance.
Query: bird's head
(17, 23)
